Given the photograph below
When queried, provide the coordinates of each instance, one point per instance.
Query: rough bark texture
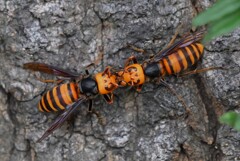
(146, 126)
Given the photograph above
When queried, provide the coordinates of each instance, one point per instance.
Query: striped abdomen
(59, 97)
(181, 59)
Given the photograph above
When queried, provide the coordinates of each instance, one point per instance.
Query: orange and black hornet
(176, 58)
(173, 60)
(69, 96)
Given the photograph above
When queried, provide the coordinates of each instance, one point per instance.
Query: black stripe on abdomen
(193, 53)
(70, 92)
(45, 100)
(186, 55)
(53, 100)
(170, 65)
(59, 94)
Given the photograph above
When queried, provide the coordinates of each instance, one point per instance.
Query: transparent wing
(62, 118)
(185, 41)
(49, 69)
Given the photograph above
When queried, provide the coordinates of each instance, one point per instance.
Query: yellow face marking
(133, 75)
(105, 83)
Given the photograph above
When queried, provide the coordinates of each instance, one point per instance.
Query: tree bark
(151, 125)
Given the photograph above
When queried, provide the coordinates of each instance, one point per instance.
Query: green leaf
(232, 119)
(217, 11)
(237, 124)
(227, 24)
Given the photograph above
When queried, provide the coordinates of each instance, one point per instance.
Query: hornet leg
(136, 48)
(101, 119)
(131, 58)
(178, 96)
(200, 71)
(171, 41)
(107, 71)
(98, 59)
(108, 98)
(139, 87)
(57, 81)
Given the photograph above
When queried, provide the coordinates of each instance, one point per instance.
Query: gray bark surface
(146, 126)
